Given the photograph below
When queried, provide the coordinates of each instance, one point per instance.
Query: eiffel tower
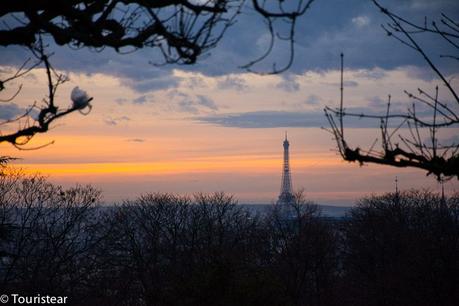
(286, 194)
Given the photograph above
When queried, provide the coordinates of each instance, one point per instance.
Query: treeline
(163, 249)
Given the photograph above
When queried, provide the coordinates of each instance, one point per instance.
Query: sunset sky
(216, 127)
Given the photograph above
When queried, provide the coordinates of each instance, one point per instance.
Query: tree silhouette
(402, 249)
(37, 118)
(50, 233)
(420, 147)
(304, 252)
(161, 249)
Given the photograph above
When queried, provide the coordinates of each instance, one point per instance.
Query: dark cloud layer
(266, 119)
(329, 28)
(278, 119)
(10, 111)
(152, 83)
(315, 118)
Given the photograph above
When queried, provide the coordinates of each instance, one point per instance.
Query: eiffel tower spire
(286, 194)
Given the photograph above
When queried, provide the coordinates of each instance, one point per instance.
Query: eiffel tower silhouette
(286, 195)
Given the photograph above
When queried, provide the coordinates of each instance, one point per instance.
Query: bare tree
(419, 146)
(181, 29)
(171, 250)
(304, 252)
(50, 233)
(397, 243)
(38, 117)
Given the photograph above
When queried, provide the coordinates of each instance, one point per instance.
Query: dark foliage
(403, 249)
(162, 249)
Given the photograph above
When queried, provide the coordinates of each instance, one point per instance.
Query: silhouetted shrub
(403, 249)
(50, 233)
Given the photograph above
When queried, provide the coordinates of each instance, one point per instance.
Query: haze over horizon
(215, 127)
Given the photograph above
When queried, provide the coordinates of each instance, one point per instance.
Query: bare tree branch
(437, 159)
(47, 114)
(286, 12)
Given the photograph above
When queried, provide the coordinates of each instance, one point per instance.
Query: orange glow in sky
(127, 149)
(235, 164)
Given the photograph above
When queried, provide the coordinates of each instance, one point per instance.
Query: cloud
(182, 102)
(360, 21)
(193, 104)
(143, 99)
(232, 82)
(206, 102)
(153, 84)
(313, 100)
(330, 27)
(429, 4)
(140, 100)
(174, 94)
(350, 84)
(121, 100)
(423, 73)
(195, 82)
(116, 121)
(288, 83)
(372, 74)
(186, 105)
(281, 119)
(135, 140)
(6, 70)
(377, 102)
(266, 119)
(10, 111)
(345, 84)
